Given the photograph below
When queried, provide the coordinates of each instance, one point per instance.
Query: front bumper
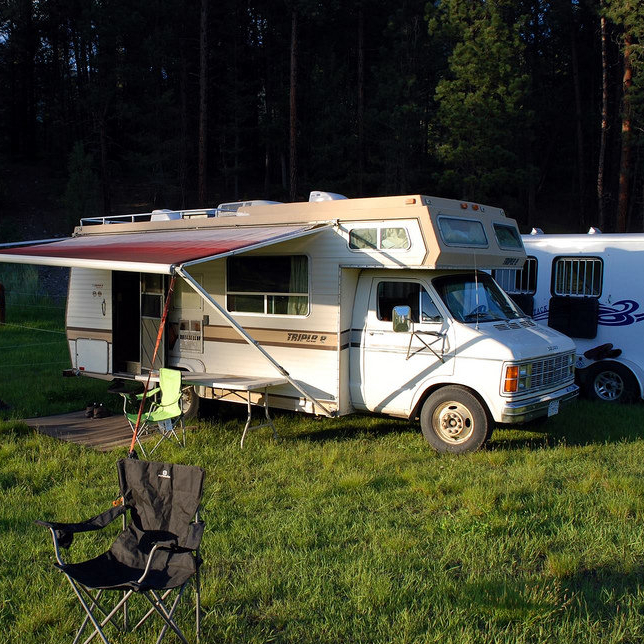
(525, 410)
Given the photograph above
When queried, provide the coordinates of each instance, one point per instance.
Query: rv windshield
(475, 298)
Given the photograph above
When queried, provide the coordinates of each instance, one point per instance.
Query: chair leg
(198, 604)
(90, 616)
(166, 615)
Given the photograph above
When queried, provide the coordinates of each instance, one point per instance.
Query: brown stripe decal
(320, 340)
(74, 333)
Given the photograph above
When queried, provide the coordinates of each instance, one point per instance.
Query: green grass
(353, 530)
(34, 353)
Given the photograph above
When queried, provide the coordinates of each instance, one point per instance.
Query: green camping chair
(166, 413)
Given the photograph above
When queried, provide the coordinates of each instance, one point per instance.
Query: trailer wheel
(454, 421)
(189, 402)
(611, 382)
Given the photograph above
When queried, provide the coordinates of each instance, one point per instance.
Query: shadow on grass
(296, 426)
(599, 592)
(580, 424)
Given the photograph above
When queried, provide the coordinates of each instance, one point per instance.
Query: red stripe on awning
(166, 247)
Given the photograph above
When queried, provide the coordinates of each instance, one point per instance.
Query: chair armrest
(63, 533)
(150, 392)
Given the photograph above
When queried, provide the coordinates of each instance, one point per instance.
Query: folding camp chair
(166, 412)
(156, 553)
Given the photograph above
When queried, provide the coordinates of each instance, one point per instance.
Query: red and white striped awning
(151, 251)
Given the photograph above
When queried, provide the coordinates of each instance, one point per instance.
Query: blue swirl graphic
(621, 313)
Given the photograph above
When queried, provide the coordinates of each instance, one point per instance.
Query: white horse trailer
(588, 287)
(346, 304)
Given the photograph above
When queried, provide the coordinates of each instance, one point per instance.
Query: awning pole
(248, 338)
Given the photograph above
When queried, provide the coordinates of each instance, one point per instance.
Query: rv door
(393, 364)
(152, 299)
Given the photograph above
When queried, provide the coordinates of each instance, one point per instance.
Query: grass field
(353, 530)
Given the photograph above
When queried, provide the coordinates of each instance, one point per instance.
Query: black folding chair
(156, 553)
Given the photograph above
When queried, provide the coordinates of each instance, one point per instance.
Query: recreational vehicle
(329, 306)
(587, 286)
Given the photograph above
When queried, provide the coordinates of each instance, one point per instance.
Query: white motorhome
(587, 286)
(338, 305)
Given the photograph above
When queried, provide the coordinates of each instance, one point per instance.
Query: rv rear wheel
(454, 421)
(610, 382)
(189, 402)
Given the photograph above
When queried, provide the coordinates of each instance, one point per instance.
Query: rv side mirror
(401, 318)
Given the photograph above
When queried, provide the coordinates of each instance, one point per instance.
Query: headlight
(517, 378)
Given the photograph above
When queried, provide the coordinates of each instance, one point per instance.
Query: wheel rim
(453, 422)
(609, 385)
(187, 398)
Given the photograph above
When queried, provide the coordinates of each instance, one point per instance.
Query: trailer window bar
(578, 276)
(518, 281)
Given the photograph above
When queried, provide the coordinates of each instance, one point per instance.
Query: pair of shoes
(96, 410)
(100, 411)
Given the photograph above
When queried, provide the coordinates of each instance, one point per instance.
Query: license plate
(553, 408)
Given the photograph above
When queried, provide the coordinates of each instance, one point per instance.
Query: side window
(518, 281)
(577, 276)
(361, 238)
(268, 285)
(412, 294)
(383, 238)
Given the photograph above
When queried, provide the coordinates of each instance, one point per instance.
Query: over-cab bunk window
(507, 237)
(578, 276)
(462, 232)
(269, 285)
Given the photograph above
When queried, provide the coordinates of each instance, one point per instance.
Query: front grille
(551, 371)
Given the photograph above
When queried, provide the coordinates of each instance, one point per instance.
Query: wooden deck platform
(102, 434)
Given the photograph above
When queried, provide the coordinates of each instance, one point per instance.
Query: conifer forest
(536, 106)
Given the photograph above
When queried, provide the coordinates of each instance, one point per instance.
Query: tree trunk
(578, 113)
(604, 128)
(105, 174)
(183, 133)
(293, 108)
(203, 103)
(360, 114)
(625, 160)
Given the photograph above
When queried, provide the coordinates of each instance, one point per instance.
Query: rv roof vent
(536, 231)
(593, 230)
(164, 215)
(231, 208)
(317, 195)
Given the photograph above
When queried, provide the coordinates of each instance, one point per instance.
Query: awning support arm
(248, 338)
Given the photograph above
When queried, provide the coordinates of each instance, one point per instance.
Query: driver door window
(412, 294)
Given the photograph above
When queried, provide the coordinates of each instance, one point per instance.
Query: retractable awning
(152, 251)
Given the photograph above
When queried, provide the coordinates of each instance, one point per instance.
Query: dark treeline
(532, 105)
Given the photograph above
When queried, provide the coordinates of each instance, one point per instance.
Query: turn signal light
(511, 380)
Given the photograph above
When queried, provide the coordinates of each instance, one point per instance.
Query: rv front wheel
(610, 382)
(189, 402)
(454, 421)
